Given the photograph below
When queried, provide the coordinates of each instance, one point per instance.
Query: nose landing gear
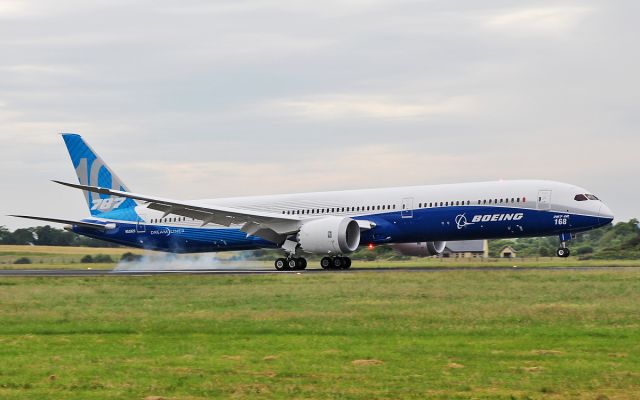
(564, 251)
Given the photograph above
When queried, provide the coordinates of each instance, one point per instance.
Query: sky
(201, 99)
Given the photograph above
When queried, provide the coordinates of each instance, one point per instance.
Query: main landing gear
(564, 251)
(291, 264)
(335, 263)
(300, 263)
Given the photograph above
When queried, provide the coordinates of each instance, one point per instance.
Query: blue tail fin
(93, 171)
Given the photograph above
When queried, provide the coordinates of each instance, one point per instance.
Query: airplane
(415, 220)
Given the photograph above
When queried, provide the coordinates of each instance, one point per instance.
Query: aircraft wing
(91, 225)
(270, 226)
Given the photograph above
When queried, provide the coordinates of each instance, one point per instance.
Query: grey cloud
(426, 92)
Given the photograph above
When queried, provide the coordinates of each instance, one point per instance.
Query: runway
(239, 271)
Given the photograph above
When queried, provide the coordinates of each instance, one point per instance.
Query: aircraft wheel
(302, 263)
(338, 262)
(292, 263)
(563, 252)
(346, 263)
(326, 263)
(281, 264)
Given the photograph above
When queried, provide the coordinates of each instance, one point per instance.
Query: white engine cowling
(330, 235)
(422, 249)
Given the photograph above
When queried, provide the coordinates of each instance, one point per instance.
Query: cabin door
(544, 200)
(407, 207)
(141, 226)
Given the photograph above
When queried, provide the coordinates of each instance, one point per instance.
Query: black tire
(281, 264)
(292, 263)
(337, 262)
(326, 263)
(563, 252)
(567, 253)
(302, 263)
(346, 263)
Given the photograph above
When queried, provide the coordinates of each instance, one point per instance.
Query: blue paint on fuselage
(427, 224)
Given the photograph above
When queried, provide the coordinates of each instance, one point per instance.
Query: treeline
(48, 236)
(619, 241)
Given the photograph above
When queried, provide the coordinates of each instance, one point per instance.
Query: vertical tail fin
(93, 171)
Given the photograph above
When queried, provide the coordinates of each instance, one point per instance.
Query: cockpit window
(591, 197)
(580, 197)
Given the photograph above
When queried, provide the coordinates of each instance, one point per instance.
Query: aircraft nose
(605, 213)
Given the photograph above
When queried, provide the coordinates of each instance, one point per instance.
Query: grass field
(443, 335)
(50, 257)
(47, 257)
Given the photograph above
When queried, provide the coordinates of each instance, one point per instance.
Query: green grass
(442, 335)
(57, 257)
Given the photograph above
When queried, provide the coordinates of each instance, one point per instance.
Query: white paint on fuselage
(333, 203)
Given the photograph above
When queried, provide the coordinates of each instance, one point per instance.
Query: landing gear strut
(291, 264)
(335, 263)
(564, 251)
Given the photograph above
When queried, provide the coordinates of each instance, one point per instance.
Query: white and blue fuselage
(501, 209)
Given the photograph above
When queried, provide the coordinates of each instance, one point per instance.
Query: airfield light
(371, 246)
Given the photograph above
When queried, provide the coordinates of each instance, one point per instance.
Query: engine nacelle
(330, 235)
(422, 249)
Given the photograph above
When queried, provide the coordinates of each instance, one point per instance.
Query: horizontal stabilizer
(90, 225)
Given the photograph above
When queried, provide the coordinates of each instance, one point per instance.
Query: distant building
(466, 249)
(508, 252)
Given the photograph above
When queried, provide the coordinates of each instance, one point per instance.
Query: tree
(5, 235)
(22, 236)
(48, 236)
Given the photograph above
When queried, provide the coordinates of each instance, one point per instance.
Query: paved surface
(89, 272)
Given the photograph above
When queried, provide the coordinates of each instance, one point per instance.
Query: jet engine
(330, 235)
(422, 249)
